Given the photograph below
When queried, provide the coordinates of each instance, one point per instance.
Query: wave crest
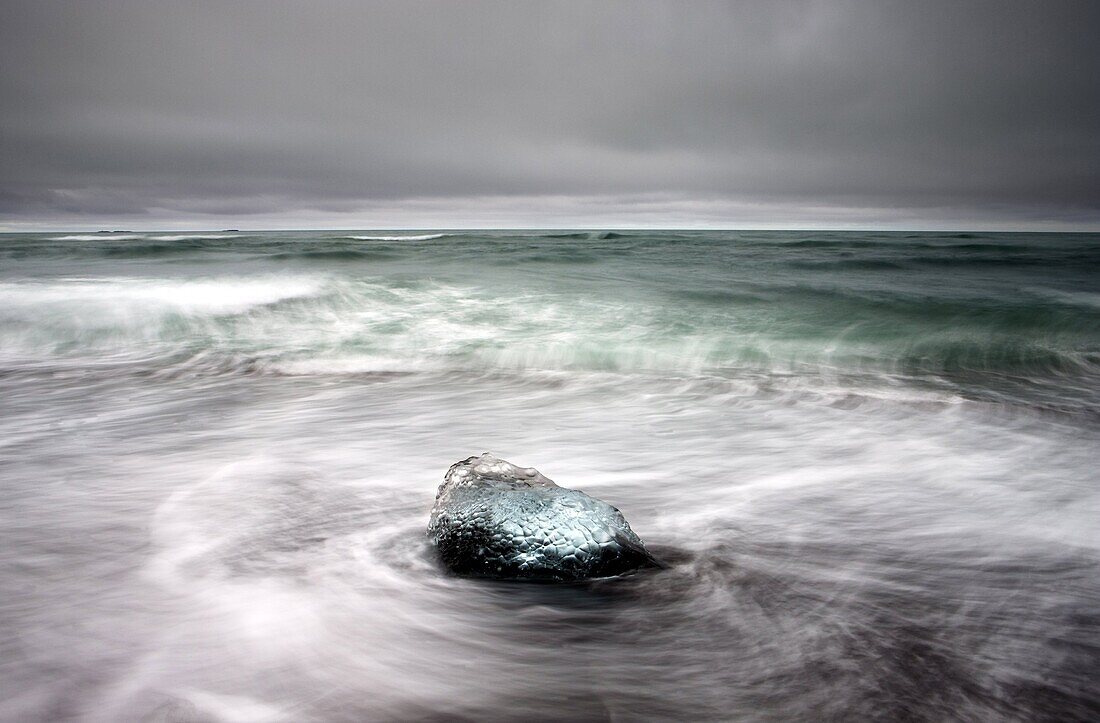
(420, 237)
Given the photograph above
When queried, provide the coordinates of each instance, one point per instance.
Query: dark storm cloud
(734, 112)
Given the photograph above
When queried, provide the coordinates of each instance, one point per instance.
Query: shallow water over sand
(873, 483)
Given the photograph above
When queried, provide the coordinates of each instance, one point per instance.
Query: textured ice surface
(494, 519)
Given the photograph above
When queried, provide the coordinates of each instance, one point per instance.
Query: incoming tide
(868, 460)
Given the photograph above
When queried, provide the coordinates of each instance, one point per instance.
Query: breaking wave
(421, 237)
(325, 323)
(194, 237)
(98, 237)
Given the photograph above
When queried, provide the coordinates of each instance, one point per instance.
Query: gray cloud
(408, 113)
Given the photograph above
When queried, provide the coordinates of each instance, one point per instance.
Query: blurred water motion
(871, 471)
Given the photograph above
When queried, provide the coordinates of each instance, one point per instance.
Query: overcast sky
(268, 114)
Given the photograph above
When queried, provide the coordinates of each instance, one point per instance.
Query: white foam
(424, 237)
(194, 236)
(136, 295)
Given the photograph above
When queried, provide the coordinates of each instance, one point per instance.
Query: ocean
(869, 461)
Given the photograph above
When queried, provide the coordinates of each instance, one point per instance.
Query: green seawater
(1011, 318)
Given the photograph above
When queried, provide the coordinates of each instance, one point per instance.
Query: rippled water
(868, 460)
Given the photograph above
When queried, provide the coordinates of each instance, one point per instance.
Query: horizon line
(467, 229)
